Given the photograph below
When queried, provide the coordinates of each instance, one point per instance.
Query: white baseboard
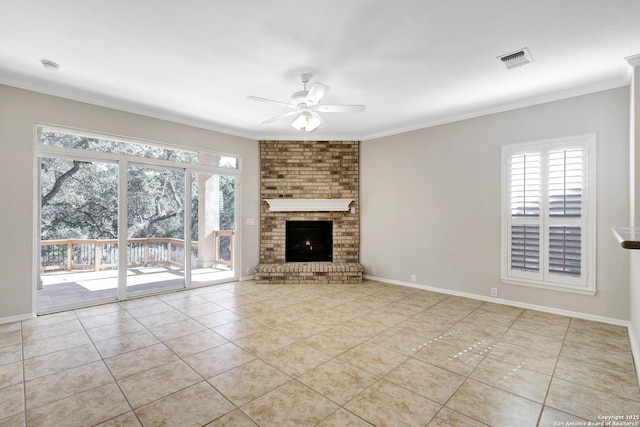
(576, 314)
(246, 278)
(635, 349)
(17, 318)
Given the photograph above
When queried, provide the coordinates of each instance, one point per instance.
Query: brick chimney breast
(310, 170)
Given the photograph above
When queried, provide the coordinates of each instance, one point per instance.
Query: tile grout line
(553, 374)
(102, 359)
(369, 310)
(468, 376)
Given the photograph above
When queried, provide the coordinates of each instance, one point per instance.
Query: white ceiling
(413, 63)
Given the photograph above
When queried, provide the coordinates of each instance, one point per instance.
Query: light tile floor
(242, 354)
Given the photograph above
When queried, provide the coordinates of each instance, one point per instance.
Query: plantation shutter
(565, 250)
(546, 224)
(525, 247)
(565, 211)
(525, 212)
(565, 183)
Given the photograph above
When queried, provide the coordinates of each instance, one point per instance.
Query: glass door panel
(155, 229)
(212, 228)
(78, 233)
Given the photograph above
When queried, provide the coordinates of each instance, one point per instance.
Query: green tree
(227, 211)
(155, 205)
(79, 200)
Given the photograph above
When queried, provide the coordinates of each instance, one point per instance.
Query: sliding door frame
(124, 161)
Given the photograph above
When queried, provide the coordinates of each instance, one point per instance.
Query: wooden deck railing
(97, 254)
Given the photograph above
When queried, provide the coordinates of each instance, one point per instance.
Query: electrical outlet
(373, 271)
(413, 277)
(248, 270)
(494, 292)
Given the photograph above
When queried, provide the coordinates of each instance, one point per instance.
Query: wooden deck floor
(62, 289)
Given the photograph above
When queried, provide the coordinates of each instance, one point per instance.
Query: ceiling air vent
(516, 59)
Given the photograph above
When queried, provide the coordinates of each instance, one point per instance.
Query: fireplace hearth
(309, 241)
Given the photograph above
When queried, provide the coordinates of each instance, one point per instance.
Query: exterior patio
(67, 288)
(74, 271)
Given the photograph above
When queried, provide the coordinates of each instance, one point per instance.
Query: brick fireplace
(296, 172)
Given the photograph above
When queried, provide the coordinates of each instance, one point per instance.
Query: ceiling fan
(306, 106)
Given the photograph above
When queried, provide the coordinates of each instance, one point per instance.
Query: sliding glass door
(155, 229)
(121, 219)
(78, 232)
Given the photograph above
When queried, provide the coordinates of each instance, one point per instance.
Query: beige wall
(430, 201)
(19, 109)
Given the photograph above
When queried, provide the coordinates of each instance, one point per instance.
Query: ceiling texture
(413, 63)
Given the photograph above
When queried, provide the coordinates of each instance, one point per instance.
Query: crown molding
(633, 60)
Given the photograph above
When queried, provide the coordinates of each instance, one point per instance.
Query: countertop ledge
(628, 237)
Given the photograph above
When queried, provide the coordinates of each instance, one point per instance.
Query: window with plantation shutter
(548, 224)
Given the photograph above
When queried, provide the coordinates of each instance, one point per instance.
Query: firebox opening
(308, 241)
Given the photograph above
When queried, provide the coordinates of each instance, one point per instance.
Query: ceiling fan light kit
(306, 105)
(307, 121)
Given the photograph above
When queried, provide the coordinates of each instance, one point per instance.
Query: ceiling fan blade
(341, 108)
(316, 93)
(280, 116)
(271, 101)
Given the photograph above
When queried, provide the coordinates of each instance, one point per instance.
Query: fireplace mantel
(308, 205)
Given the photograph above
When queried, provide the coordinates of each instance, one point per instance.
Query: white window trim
(586, 285)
